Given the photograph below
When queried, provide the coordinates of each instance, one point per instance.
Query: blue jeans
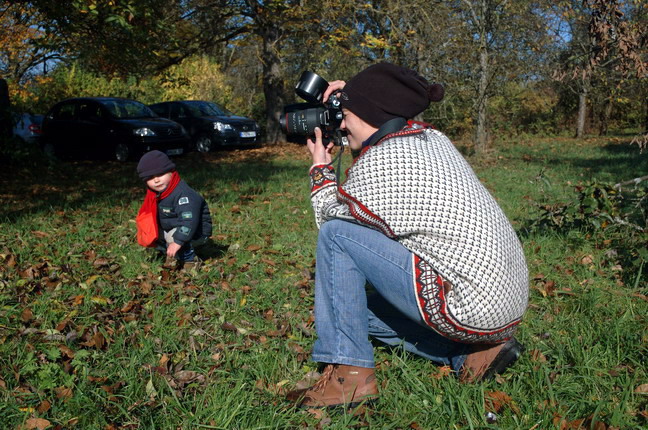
(348, 257)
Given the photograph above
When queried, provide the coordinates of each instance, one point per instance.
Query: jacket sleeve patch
(185, 230)
(183, 201)
(186, 215)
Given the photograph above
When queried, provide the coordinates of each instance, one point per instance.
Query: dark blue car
(109, 127)
(209, 124)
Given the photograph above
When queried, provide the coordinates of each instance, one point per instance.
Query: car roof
(99, 99)
(182, 101)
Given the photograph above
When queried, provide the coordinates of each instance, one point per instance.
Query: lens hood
(311, 87)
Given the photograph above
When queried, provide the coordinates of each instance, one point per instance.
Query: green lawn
(95, 334)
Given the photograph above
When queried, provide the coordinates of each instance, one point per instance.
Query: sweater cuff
(321, 175)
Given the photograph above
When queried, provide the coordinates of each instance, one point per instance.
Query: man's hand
(172, 249)
(333, 87)
(321, 154)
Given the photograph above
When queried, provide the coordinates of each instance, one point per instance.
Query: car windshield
(207, 109)
(128, 109)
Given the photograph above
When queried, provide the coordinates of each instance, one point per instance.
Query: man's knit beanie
(154, 163)
(385, 91)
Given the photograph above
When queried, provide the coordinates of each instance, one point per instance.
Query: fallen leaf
(537, 355)
(442, 372)
(587, 260)
(63, 393)
(229, 327)
(37, 423)
(67, 352)
(101, 262)
(44, 407)
(497, 400)
(150, 389)
(642, 389)
(188, 376)
(26, 315)
(100, 300)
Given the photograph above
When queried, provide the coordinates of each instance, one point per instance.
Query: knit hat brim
(154, 163)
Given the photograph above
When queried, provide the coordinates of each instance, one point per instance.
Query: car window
(207, 109)
(127, 109)
(89, 111)
(65, 112)
(161, 110)
(177, 111)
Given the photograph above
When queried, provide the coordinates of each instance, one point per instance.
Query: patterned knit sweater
(471, 279)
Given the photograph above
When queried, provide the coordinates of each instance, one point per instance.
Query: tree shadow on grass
(622, 162)
(72, 185)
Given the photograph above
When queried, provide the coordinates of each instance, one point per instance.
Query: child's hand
(172, 249)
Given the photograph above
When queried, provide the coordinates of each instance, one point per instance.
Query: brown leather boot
(488, 360)
(339, 385)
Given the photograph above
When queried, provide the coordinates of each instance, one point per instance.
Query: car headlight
(144, 131)
(221, 126)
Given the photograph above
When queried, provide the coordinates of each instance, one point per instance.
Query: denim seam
(336, 316)
(378, 328)
(395, 263)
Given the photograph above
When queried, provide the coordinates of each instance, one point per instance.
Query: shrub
(194, 78)
(615, 216)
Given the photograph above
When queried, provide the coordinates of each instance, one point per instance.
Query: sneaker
(339, 386)
(486, 361)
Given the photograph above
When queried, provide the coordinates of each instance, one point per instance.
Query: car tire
(122, 152)
(204, 143)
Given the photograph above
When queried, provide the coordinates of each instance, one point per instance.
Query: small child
(173, 218)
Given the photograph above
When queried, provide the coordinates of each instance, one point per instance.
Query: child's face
(159, 183)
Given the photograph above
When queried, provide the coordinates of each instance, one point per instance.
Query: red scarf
(147, 223)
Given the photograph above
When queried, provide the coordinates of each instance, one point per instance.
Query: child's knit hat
(385, 91)
(154, 163)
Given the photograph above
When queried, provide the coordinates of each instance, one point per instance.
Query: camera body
(301, 119)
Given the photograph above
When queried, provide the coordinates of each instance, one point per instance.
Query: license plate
(174, 151)
(248, 134)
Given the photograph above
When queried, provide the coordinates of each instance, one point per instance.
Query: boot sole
(505, 359)
(343, 406)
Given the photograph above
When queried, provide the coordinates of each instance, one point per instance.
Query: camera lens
(303, 122)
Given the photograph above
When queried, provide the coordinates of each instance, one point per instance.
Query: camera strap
(391, 126)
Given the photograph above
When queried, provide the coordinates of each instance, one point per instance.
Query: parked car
(209, 124)
(27, 127)
(109, 127)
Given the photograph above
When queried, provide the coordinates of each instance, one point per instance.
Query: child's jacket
(185, 210)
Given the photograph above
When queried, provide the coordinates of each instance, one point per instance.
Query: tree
(500, 42)
(600, 42)
(25, 46)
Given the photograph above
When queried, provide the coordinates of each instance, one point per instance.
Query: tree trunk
(604, 117)
(5, 111)
(481, 134)
(582, 112)
(273, 89)
(646, 117)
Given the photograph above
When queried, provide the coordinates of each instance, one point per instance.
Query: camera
(301, 119)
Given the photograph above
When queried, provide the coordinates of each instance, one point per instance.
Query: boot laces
(325, 378)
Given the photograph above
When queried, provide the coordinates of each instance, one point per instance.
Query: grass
(95, 334)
